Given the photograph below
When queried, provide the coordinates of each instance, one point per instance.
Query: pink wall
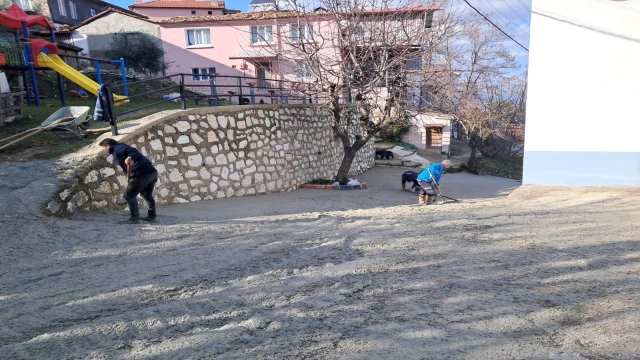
(157, 14)
(228, 38)
(226, 41)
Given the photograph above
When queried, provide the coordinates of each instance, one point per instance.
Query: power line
(506, 17)
(494, 25)
(514, 11)
(525, 6)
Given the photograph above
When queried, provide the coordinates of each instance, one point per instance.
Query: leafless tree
(481, 84)
(359, 58)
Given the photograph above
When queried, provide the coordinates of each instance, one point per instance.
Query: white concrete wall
(584, 91)
(96, 36)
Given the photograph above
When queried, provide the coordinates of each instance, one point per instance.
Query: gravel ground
(545, 273)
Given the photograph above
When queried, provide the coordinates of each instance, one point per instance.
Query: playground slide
(56, 63)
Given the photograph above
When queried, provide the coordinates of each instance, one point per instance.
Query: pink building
(248, 44)
(158, 10)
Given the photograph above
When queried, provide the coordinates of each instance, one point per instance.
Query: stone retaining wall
(212, 153)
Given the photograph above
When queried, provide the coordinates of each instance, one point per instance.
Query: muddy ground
(545, 273)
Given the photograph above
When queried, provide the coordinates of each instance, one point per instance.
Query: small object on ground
(353, 182)
(80, 94)
(121, 202)
(173, 96)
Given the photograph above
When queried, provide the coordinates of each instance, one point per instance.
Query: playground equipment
(41, 53)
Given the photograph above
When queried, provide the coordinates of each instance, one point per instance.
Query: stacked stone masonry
(213, 153)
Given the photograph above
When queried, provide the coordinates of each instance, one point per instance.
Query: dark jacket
(101, 112)
(141, 165)
(410, 176)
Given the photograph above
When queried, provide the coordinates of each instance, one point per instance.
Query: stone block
(156, 144)
(182, 139)
(106, 172)
(195, 160)
(190, 174)
(183, 126)
(91, 177)
(221, 159)
(175, 175)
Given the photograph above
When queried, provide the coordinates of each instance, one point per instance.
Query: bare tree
(479, 84)
(358, 58)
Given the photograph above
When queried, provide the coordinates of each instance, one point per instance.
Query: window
(303, 70)
(94, 12)
(301, 32)
(196, 73)
(262, 34)
(24, 4)
(198, 38)
(62, 9)
(193, 12)
(73, 9)
(209, 12)
(415, 64)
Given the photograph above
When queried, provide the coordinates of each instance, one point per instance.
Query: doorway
(434, 137)
(263, 74)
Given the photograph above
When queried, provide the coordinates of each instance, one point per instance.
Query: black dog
(384, 154)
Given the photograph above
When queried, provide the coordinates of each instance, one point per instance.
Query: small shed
(430, 130)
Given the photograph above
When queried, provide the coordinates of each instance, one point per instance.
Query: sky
(512, 16)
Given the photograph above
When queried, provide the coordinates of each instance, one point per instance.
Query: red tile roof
(281, 14)
(177, 4)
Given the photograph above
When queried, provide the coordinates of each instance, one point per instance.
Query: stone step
(399, 163)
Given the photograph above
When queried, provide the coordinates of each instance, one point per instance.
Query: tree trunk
(343, 171)
(473, 162)
(474, 142)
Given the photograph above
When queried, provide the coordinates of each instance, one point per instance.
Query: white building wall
(584, 92)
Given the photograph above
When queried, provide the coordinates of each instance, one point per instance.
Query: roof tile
(173, 4)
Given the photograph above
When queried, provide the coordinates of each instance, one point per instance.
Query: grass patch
(508, 167)
(45, 144)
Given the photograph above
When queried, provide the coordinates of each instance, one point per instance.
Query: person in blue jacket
(143, 178)
(425, 182)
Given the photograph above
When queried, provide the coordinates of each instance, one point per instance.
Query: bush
(395, 132)
(141, 52)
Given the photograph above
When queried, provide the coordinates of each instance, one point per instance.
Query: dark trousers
(144, 186)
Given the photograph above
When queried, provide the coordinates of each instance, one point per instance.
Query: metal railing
(182, 91)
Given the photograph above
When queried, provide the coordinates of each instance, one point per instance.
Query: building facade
(584, 86)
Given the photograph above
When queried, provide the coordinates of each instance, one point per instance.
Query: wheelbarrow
(71, 119)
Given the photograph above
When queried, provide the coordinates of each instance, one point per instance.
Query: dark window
(193, 12)
(209, 12)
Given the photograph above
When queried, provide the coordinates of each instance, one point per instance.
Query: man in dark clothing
(142, 181)
(410, 176)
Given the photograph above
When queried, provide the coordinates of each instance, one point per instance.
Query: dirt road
(546, 273)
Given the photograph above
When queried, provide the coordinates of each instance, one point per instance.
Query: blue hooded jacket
(436, 170)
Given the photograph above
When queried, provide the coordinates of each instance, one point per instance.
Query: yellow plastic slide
(54, 62)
